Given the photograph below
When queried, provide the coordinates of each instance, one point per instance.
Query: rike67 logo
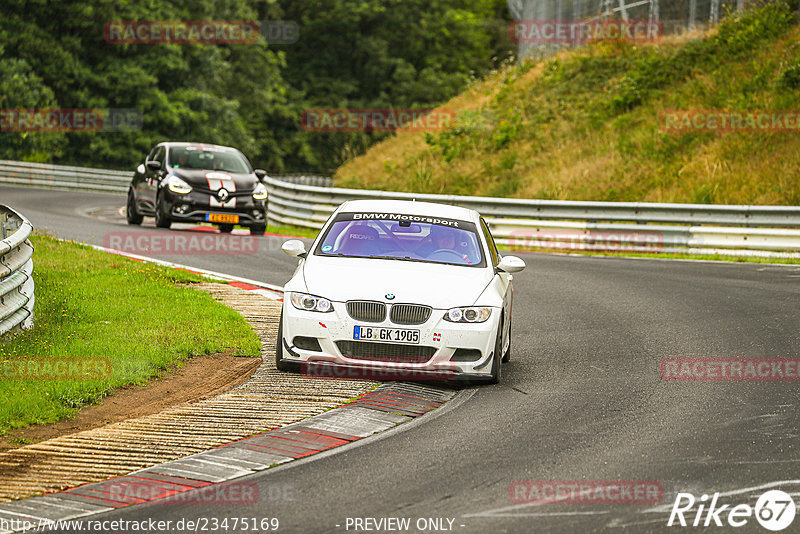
(774, 510)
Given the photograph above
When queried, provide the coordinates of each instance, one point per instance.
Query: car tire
(497, 368)
(258, 230)
(225, 228)
(507, 355)
(131, 213)
(286, 367)
(163, 219)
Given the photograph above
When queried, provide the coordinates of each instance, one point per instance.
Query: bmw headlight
(469, 314)
(176, 185)
(301, 301)
(260, 192)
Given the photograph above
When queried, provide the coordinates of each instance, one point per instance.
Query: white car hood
(439, 286)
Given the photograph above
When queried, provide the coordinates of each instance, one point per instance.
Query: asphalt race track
(582, 399)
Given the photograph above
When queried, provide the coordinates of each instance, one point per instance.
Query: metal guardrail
(306, 179)
(16, 271)
(88, 179)
(574, 225)
(63, 177)
(302, 200)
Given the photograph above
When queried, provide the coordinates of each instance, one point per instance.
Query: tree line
(347, 54)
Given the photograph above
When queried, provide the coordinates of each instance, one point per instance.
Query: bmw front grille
(408, 314)
(367, 311)
(375, 312)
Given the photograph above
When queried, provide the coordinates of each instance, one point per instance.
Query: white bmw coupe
(399, 290)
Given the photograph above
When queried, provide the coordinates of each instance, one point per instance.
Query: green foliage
(351, 53)
(455, 141)
(652, 69)
(624, 76)
(20, 87)
(790, 78)
(388, 54)
(588, 124)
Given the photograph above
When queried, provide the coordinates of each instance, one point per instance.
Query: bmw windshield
(403, 237)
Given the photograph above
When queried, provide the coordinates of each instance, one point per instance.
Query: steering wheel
(446, 251)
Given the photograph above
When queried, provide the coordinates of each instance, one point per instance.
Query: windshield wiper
(398, 258)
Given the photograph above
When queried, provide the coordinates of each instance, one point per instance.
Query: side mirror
(140, 169)
(295, 248)
(260, 174)
(153, 165)
(510, 264)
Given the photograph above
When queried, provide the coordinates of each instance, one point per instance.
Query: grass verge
(293, 231)
(145, 319)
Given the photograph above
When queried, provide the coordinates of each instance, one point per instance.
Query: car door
(505, 279)
(138, 182)
(152, 178)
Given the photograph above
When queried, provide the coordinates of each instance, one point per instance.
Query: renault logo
(223, 194)
(389, 296)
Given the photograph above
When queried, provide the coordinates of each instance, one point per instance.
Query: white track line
(268, 290)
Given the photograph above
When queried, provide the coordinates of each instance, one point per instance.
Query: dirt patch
(199, 378)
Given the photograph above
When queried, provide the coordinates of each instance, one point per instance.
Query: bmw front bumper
(323, 344)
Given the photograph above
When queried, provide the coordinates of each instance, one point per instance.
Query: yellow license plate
(223, 218)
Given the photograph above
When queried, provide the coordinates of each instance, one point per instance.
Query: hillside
(589, 124)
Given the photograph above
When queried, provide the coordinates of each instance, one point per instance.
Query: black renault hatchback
(193, 182)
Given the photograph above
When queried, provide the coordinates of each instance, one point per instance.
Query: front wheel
(258, 229)
(163, 219)
(507, 355)
(131, 213)
(497, 369)
(226, 228)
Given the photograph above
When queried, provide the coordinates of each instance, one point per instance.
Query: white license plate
(386, 335)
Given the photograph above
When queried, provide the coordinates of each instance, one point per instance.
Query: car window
(160, 155)
(403, 237)
(152, 155)
(202, 158)
(490, 243)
